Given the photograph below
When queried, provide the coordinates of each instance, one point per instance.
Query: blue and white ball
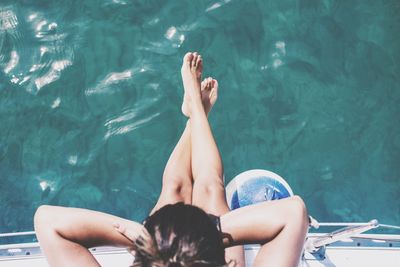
(256, 186)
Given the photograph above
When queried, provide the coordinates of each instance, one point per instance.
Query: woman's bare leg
(177, 178)
(209, 182)
(208, 188)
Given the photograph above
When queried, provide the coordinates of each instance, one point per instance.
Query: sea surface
(90, 96)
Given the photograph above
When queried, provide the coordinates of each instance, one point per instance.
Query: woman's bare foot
(209, 93)
(192, 68)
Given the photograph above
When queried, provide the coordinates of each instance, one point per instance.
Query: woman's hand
(132, 231)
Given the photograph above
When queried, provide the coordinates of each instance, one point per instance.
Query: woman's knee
(43, 216)
(177, 189)
(209, 188)
(298, 211)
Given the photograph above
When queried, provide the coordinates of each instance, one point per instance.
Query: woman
(191, 223)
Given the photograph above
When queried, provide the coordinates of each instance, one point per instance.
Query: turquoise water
(90, 97)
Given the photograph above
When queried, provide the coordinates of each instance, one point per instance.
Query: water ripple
(33, 50)
(114, 126)
(217, 5)
(103, 86)
(168, 44)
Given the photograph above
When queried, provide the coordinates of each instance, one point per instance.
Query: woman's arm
(65, 234)
(280, 226)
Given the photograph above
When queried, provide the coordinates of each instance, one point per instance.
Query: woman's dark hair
(180, 235)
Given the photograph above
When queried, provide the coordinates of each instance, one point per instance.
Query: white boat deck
(361, 251)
